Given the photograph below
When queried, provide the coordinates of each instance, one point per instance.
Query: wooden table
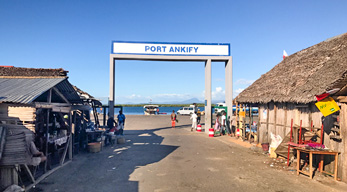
(321, 154)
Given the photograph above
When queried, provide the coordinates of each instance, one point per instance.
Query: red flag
(285, 54)
(322, 96)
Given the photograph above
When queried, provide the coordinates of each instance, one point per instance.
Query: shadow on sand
(143, 147)
(112, 168)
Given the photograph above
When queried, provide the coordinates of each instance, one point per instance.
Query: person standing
(233, 123)
(217, 125)
(199, 116)
(121, 119)
(173, 119)
(223, 123)
(194, 118)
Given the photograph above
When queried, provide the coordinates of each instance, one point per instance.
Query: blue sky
(77, 35)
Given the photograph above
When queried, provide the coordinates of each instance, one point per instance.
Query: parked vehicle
(219, 110)
(186, 111)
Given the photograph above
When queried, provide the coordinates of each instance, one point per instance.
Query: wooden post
(285, 118)
(267, 122)
(244, 123)
(310, 115)
(275, 118)
(49, 100)
(236, 118)
(74, 132)
(104, 119)
(71, 136)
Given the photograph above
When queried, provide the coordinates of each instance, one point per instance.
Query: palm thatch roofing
(31, 72)
(302, 75)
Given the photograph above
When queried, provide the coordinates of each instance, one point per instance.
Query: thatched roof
(301, 76)
(86, 96)
(31, 72)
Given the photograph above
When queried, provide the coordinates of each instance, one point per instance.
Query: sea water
(140, 110)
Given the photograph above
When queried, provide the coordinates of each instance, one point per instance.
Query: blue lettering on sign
(175, 49)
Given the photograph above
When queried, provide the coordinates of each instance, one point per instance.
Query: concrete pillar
(112, 87)
(208, 95)
(229, 85)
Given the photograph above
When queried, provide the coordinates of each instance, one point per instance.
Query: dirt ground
(158, 158)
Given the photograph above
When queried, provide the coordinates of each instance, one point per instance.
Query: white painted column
(112, 87)
(229, 85)
(208, 95)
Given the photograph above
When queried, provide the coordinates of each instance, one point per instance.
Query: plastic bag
(276, 140)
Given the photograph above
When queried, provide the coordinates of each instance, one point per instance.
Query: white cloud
(133, 96)
(218, 94)
(171, 95)
(244, 82)
(237, 92)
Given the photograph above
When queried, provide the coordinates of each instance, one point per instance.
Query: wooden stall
(287, 93)
(39, 109)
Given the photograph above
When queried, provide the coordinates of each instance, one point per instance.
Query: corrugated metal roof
(68, 91)
(25, 90)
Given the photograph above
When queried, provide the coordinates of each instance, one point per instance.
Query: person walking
(194, 118)
(173, 119)
(199, 116)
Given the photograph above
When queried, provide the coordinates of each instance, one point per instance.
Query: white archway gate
(146, 51)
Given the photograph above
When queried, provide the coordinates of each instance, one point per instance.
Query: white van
(219, 110)
(185, 111)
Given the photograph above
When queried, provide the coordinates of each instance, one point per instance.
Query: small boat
(150, 109)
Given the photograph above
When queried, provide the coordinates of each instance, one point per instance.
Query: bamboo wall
(276, 118)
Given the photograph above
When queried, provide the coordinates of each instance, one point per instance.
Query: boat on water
(150, 109)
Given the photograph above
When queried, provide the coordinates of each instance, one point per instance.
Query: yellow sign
(242, 114)
(327, 106)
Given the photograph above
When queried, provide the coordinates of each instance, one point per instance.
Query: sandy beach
(156, 157)
(141, 122)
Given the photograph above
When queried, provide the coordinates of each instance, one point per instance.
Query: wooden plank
(71, 137)
(343, 157)
(8, 176)
(29, 173)
(2, 139)
(65, 151)
(15, 150)
(342, 99)
(60, 95)
(45, 175)
(275, 117)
